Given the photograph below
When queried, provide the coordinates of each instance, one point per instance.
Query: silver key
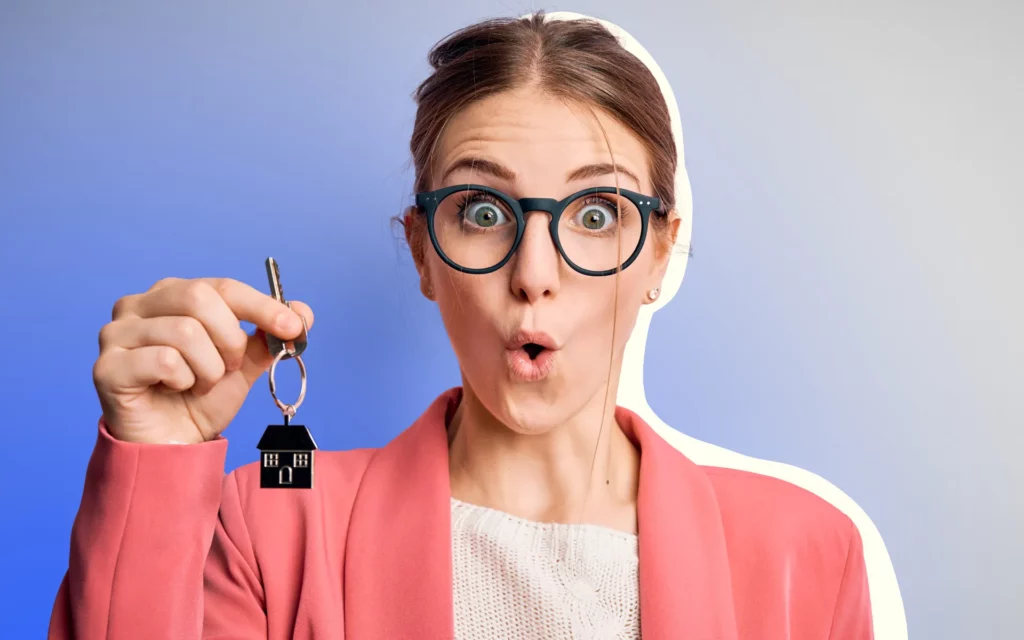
(275, 345)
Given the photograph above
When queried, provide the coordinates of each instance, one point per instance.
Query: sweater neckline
(489, 513)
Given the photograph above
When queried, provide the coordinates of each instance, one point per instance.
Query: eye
(484, 213)
(597, 214)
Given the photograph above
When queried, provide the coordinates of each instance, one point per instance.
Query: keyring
(287, 409)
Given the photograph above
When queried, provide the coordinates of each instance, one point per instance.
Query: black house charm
(287, 457)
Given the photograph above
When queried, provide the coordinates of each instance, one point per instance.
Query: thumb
(257, 356)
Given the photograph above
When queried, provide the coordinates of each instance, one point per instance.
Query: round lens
(474, 229)
(599, 231)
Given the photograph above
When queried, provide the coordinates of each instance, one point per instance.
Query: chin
(531, 407)
(534, 408)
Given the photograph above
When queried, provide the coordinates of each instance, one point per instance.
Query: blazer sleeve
(158, 549)
(851, 617)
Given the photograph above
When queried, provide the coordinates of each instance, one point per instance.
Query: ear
(663, 254)
(413, 223)
(426, 288)
(415, 237)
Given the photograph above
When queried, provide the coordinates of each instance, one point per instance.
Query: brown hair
(576, 60)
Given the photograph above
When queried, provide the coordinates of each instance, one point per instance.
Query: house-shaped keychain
(287, 457)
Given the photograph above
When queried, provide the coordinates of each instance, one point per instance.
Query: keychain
(287, 450)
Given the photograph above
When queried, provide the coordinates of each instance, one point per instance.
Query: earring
(427, 288)
(652, 295)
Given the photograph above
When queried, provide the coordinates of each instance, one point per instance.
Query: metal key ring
(288, 409)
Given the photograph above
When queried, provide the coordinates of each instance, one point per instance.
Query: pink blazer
(166, 546)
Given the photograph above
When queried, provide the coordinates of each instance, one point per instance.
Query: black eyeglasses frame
(428, 201)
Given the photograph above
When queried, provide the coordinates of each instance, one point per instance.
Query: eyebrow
(502, 172)
(483, 166)
(600, 169)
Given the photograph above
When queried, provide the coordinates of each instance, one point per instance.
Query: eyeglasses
(476, 229)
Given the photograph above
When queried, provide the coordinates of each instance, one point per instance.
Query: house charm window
(301, 460)
(270, 459)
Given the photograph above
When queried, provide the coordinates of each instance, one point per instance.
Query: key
(275, 345)
(287, 451)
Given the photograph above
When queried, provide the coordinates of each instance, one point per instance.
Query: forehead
(542, 139)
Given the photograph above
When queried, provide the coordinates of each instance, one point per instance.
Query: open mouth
(533, 349)
(531, 355)
(531, 361)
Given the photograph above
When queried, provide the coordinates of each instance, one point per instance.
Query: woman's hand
(175, 364)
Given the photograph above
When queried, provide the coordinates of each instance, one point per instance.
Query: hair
(579, 61)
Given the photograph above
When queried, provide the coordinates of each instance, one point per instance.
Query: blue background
(854, 305)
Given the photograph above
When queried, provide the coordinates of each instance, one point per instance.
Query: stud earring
(652, 295)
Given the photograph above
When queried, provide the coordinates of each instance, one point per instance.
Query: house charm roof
(292, 437)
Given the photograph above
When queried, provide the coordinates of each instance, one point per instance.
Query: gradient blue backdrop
(854, 305)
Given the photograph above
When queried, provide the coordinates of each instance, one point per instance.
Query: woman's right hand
(175, 364)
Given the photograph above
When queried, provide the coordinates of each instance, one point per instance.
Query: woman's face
(526, 144)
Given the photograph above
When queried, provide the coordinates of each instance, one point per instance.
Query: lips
(531, 355)
(522, 338)
(534, 342)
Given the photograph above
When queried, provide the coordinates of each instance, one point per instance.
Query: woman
(522, 504)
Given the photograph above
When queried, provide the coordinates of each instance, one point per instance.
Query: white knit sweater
(515, 578)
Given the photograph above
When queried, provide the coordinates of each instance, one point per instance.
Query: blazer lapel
(685, 586)
(398, 569)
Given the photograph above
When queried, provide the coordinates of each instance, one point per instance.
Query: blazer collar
(398, 567)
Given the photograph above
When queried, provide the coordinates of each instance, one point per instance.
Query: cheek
(470, 308)
(600, 306)
(460, 294)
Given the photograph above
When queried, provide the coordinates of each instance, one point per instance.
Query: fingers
(184, 334)
(245, 302)
(199, 319)
(197, 299)
(262, 310)
(302, 309)
(257, 357)
(135, 369)
(219, 304)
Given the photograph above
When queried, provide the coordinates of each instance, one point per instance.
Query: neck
(583, 470)
(631, 392)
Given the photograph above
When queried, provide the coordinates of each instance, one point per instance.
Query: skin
(175, 365)
(548, 450)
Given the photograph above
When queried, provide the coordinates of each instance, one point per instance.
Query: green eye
(595, 217)
(485, 215)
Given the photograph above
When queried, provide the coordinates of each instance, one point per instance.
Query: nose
(535, 266)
